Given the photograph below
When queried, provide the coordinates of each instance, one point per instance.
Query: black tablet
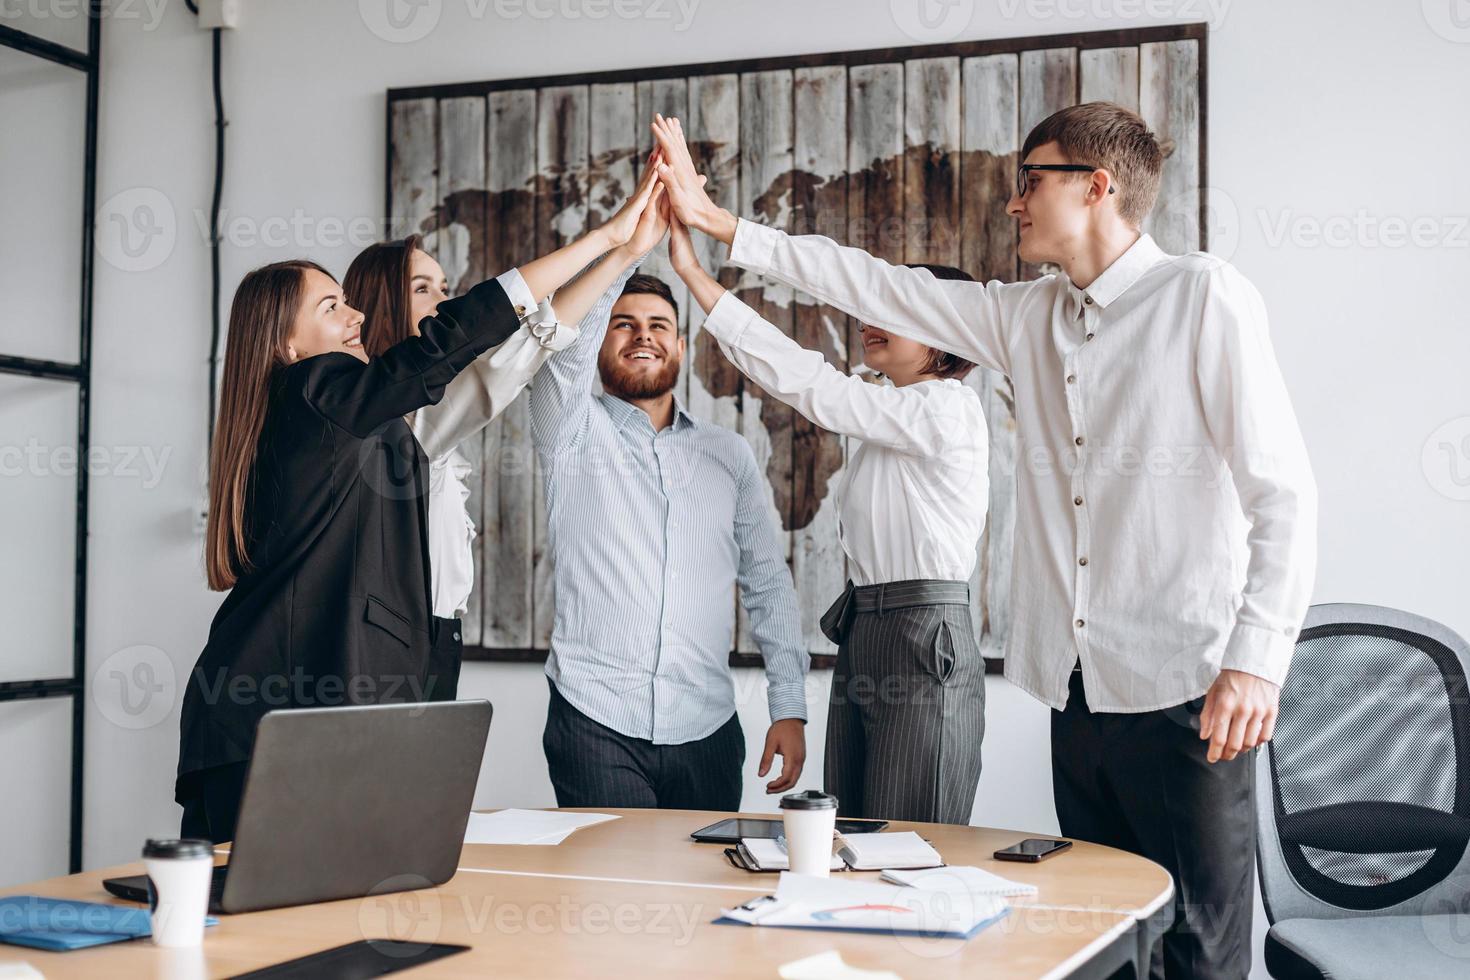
(731, 830)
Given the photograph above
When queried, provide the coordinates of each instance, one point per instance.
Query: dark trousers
(1140, 782)
(906, 715)
(211, 809)
(446, 652)
(593, 765)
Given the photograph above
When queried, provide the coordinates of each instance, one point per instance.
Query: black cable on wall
(214, 238)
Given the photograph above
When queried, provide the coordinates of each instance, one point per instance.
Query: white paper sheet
(960, 878)
(805, 902)
(543, 827)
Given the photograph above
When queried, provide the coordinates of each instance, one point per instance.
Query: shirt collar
(1116, 279)
(624, 412)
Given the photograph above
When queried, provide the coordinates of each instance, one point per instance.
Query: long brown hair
(377, 284)
(261, 316)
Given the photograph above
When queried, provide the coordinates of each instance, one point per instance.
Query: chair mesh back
(1368, 764)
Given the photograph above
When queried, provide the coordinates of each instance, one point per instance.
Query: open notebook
(860, 852)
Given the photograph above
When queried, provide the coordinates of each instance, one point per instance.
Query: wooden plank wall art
(910, 153)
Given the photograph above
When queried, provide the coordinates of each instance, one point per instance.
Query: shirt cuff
(787, 701)
(753, 245)
(729, 318)
(519, 294)
(549, 331)
(1262, 652)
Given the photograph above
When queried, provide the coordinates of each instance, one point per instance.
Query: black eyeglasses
(1071, 168)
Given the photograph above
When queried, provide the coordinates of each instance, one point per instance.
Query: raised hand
(621, 227)
(685, 186)
(652, 225)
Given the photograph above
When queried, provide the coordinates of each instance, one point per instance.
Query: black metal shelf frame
(80, 374)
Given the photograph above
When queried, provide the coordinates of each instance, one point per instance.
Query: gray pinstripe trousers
(907, 709)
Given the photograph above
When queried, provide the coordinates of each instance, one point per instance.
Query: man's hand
(685, 187)
(681, 250)
(786, 738)
(1239, 714)
(621, 227)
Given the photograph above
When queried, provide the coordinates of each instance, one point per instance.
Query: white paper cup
(809, 818)
(179, 873)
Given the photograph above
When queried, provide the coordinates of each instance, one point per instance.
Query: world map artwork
(912, 160)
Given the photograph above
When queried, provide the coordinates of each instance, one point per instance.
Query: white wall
(1323, 112)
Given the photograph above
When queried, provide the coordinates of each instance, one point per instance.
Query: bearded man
(653, 518)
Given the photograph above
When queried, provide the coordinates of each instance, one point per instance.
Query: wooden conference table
(635, 897)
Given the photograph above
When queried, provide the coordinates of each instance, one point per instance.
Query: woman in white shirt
(907, 710)
(395, 285)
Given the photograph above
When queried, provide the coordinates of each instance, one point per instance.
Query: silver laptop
(348, 802)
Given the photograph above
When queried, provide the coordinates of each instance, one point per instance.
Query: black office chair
(1363, 801)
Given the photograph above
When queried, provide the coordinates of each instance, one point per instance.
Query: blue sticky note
(59, 925)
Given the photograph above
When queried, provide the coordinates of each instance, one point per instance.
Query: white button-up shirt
(912, 503)
(1166, 512)
(476, 396)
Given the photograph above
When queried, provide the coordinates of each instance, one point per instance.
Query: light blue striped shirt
(649, 533)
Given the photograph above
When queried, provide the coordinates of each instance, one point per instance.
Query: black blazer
(336, 607)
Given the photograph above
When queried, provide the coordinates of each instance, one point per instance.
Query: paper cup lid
(812, 799)
(172, 848)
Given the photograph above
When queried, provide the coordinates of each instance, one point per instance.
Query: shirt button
(1077, 501)
(1087, 300)
(1071, 379)
(1090, 336)
(1081, 623)
(1082, 562)
(1078, 440)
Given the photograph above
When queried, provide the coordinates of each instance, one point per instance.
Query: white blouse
(912, 504)
(476, 396)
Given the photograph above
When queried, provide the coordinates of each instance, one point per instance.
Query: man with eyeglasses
(1166, 511)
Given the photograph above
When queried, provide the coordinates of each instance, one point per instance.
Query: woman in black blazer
(317, 504)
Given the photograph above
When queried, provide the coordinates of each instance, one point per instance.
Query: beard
(627, 384)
